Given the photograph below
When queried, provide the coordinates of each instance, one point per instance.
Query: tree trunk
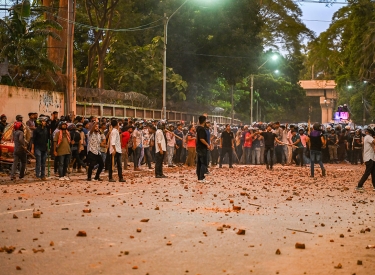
(56, 49)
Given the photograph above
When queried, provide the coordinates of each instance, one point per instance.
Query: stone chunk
(241, 232)
(278, 252)
(36, 215)
(81, 233)
(300, 246)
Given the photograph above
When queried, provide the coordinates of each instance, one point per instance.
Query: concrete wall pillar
(327, 106)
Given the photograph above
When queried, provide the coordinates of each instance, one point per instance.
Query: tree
(345, 53)
(102, 14)
(22, 46)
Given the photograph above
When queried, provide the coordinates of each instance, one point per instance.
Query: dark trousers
(137, 155)
(357, 155)
(201, 165)
(147, 154)
(77, 160)
(63, 164)
(178, 155)
(93, 160)
(299, 152)
(370, 170)
(117, 161)
(215, 155)
(266, 150)
(225, 151)
(159, 164)
(19, 157)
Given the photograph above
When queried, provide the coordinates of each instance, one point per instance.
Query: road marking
(73, 203)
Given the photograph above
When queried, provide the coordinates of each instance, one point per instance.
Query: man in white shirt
(171, 143)
(115, 151)
(94, 155)
(368, 159)
(137, 144)
(160, 149)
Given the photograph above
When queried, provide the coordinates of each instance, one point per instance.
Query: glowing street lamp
(273, 57)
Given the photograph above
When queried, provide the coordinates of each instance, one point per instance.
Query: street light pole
(166, 21)
(274, 57)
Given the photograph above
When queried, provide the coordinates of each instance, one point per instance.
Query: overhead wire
(138, 28)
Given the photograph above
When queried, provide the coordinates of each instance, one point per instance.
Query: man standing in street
(61, 149)
(207, 128)
(171, 143)
(19, 150)
(94, 155)
(368, 158)
(297, 143)
(317, 142)
(160, 148)
(137, 146)
(269, 145)
(115, 150)
(179, 143)
(226, 145)
(39, 148)
(202, 150)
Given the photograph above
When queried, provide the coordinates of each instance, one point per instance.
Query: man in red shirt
(125, 137)
(247, 144)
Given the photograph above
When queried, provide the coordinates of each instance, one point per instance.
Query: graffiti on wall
(49, 102)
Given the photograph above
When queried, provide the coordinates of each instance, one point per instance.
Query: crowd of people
(93, 145)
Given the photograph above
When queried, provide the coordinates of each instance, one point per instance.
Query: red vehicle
(7, 145)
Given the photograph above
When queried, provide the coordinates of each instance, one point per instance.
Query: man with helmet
(19, 151)
(39, 148)
(160, 149)
(317, 142)
(332, 141)
(61, 149)
(19, 118)
(368, 158)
